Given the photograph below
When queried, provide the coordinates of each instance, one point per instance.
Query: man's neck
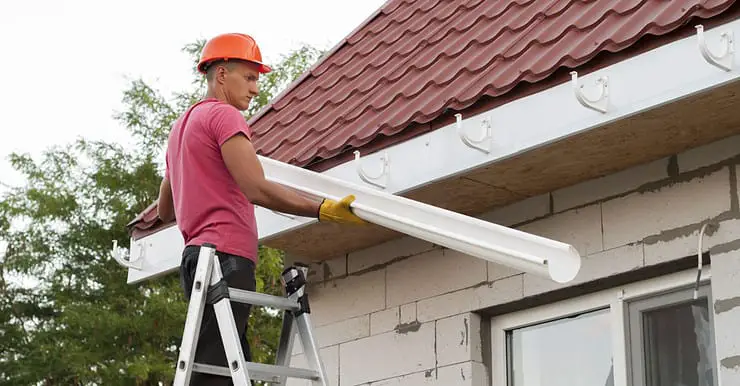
(215, 94)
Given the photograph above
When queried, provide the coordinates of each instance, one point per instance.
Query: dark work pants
(239, 272)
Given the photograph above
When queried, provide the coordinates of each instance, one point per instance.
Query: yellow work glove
(339, 212)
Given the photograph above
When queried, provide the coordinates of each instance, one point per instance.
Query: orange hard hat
(231, 46)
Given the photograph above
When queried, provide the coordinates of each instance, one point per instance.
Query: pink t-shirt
(209, 206)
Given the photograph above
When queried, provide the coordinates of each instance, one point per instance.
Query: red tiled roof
(416, 59)
(413, 60)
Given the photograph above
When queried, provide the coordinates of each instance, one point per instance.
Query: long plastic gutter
(160, 254)
(499, 244)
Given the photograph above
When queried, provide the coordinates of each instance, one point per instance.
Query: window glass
(575, 351)
(673, 341)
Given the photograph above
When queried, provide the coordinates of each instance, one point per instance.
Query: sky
(67, 62)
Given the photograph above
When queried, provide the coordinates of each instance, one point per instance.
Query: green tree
(67, 315)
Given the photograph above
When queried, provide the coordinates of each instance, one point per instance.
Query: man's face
(239, 82)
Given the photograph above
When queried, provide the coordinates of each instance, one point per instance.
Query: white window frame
(614, 298)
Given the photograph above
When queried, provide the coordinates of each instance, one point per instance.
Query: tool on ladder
(209, 287)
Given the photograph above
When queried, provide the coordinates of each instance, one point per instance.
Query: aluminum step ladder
(208, 287)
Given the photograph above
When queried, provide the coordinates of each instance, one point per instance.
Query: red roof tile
(416, 59)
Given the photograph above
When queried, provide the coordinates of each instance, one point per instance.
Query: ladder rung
(259, 299)
(260, 371)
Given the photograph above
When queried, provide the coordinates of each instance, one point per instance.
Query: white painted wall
(401, 313)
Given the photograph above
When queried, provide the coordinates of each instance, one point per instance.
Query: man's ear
(217, 72)
(220, 72)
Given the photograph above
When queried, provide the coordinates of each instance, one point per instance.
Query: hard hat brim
(204, 64)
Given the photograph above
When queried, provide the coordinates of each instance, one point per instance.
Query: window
(671, 340)
(651, 333)
(537, 358)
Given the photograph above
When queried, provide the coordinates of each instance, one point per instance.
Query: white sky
(65, 62)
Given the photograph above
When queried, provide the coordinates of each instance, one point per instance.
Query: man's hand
(339, 212)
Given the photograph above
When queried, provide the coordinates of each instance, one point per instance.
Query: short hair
(211, 67)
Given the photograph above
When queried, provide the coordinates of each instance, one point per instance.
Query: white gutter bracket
(725, 58)
(486, 137)
(118, 254)
(601, 103)
(384, 171)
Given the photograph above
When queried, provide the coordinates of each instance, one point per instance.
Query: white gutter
(495, 243)
(517, 249)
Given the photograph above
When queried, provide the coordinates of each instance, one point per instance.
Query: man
(213, 179)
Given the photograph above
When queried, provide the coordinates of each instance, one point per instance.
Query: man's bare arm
(165, 205)
(242, 162)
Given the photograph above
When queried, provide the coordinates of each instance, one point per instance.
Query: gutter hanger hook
(725, 59)
(373, 179)
(485, 139)
(601, 102)
(117, 253)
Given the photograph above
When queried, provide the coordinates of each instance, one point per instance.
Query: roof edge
(603, 59)
(685, 78)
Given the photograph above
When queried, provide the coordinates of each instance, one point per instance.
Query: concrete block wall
(403, 313)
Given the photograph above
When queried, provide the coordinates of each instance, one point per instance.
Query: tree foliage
(67, 315)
